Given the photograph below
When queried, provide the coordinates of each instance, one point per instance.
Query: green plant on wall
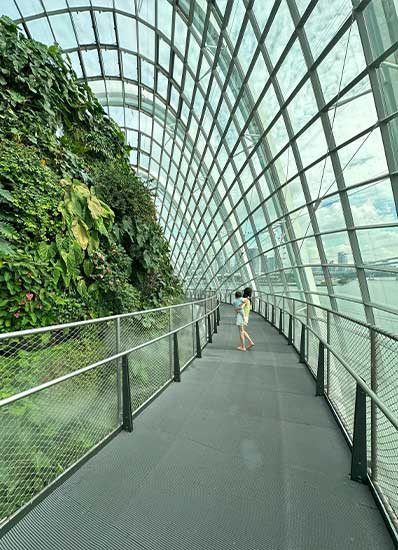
(78, 228)
(79, 238)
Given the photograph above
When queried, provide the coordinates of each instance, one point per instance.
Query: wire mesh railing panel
(138, 329)
(149, 369)
(32, 359)
(386, 474)
(297, 333)
(386, 360)
(351, 342)
(44, 434)
(181, 317)
(312, 352)
(317, 320)
(199, 311)
(385, 383)
(355, 354)
(341, 392)
(285, 323)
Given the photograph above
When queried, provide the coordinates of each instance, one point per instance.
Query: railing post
(373, 406)
(209, 329)
(177, 372)
(307, 342)
(218, 314)
(198, 344)
(302, 343)
(215, 321)
(193, 330)
(320, 374)
(127, 413)
(273, 314)
(119, 374)
(290, 333)
(294, 321)
(359, 459)
(280, 321)
(328, 353)
(266, 311)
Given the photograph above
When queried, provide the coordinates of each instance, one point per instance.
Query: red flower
(23, 302)
(29, 295)
(17, 314)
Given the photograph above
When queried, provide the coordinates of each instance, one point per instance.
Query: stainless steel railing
(356, 368)
(67, 389)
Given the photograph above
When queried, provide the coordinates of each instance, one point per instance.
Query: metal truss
(267, 130)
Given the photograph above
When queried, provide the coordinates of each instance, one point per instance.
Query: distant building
(264, 264)
(255, 259)
(271, 263)
(342, 258)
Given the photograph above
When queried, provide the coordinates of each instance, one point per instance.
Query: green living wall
(79, 236)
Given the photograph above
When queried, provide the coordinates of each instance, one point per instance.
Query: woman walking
(238, 305)
(247, 305)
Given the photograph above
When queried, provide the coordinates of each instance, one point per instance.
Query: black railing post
(280, 321)
(290, 330)
(320, 373)
(127, 414)
(215, 321)
(266, 311)
(177, 372)
(218, 314)
(198, 344)
(209, 329)
(302, 344)
(273, 314)
(359, 459)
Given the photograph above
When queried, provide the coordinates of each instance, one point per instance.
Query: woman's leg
(246, 335)
(242, 338)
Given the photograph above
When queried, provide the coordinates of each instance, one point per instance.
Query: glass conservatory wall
(267, 130)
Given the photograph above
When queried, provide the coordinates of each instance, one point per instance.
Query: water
(383, 291)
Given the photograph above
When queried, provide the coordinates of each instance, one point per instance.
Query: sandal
(251, 345)
(241, 349)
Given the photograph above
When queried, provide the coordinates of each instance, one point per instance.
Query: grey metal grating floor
(239, 455)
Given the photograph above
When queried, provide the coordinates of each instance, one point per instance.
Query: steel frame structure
(245, 114)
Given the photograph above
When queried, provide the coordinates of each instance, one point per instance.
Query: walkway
(239, 455)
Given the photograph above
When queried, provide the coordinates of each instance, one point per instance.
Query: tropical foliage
(78, 230)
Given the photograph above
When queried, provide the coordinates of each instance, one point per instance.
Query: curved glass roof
(269, 129)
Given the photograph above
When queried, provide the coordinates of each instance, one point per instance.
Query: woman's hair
(238, 294)
(247, 293)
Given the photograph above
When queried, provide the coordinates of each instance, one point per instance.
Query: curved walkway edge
(240, 455)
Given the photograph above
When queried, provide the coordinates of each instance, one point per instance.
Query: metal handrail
(125, 405)
(51, 328)
(68, 376)
(364, 467)
(372, 395)
(323, 308)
